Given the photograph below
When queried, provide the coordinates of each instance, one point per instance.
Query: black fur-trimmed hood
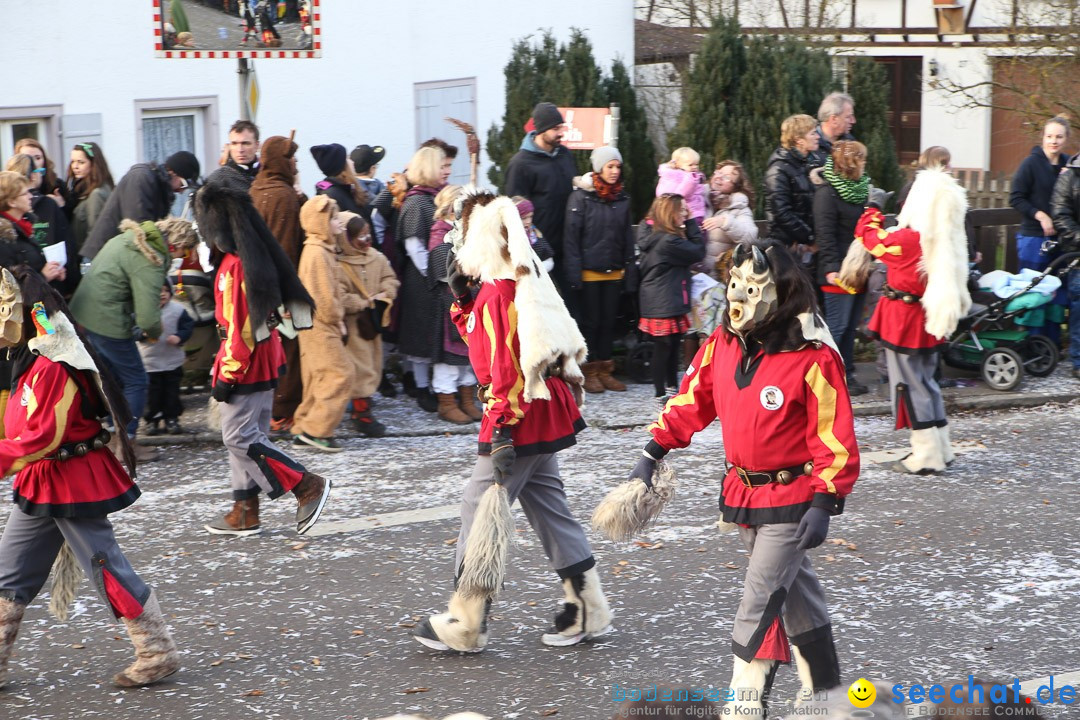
(227, 218)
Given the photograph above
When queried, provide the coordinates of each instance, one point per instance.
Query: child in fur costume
(254, 279)
(370, 287)
(67, 480)
(526, 351)
(775, 381)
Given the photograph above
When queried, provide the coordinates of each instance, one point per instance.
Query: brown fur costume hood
(227, 218)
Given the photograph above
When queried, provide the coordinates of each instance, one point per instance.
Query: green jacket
(123, 288)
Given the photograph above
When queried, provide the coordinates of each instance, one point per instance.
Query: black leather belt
(78, 449)
(783, 476)
(894, 294)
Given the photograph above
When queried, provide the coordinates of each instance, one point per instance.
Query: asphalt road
(929, 579)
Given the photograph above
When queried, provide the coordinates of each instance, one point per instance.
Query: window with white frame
(42, 123)
(166, 126)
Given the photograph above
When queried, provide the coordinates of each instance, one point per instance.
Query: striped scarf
(855, 192)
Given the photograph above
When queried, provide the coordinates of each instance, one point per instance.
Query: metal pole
(243, 72)
(614, 107)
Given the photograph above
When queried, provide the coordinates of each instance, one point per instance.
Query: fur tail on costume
(66, 577)
(855, 270)
(632, 506)
(488, 546)
(213, 415)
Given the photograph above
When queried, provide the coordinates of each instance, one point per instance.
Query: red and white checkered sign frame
(314, 52)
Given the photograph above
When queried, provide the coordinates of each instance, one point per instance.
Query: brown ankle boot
(592, 382)
(449, 410)
(155, 652)
(241, 521)
(606, 379)
(467, 403)
(311, 494)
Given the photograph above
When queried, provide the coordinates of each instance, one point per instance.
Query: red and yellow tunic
(56, 405)
(786, 409)
(898, 325)
(489, 327)
(240, 360)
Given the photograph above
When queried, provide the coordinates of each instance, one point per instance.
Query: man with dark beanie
(146, 192)
(543, 171)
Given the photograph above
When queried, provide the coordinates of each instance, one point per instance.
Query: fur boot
(11, 615)
(925, 458)
(242, 520)
(449, 410)
(592, 377)
(467, 403)
(585, 614)
(945, 439)
(607, 367)
(751, 682)
(155, 652)
(463, 627)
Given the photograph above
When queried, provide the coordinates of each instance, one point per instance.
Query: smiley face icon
(862, 693)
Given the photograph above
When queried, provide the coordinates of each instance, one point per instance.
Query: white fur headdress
(935, 208)
(497, 248)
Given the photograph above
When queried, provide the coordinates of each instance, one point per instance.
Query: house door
(905, 105)
(436, 101)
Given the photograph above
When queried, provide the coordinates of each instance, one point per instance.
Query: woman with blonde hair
(427, 173)
(789, 194)
(838, 205)
(49, 226)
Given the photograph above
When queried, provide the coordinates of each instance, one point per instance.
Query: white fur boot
(585, 614)
(944, 438)
(463, 627)
(926, 456)
(806, 677)
(750, 681)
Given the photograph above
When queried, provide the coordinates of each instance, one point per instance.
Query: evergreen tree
(711, 87)
(525, 73)
(639, 156)
(868, 85)
(579, 85)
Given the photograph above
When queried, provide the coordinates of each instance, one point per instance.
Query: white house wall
(94, 57)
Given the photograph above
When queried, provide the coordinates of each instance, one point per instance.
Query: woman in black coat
(598, 260)
(789, 194)
(838, 204)
(670, 242)
(340, 181)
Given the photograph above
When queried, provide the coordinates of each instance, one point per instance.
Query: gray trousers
(30, 545)
(779, 582)
(245, 420)
(916, 396)
(536, 484)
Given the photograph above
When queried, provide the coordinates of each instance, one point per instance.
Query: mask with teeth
(11, 310)
(751, 292)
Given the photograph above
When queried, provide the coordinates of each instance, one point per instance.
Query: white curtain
(162, 136)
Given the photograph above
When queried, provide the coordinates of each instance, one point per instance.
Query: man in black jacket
(836, 117)
(543, 171)
(242, 149)
(1065, 210)
(146, 192)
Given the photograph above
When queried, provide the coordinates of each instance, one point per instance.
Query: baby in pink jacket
(682, 177)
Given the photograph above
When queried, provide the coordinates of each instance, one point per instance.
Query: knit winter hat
(364, 156)
(602, 155)
(330, 158)
(184, 164)
(546, 116)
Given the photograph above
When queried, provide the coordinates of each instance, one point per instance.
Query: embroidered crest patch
(772, 397)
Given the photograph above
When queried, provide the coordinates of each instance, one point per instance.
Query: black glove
(458, 281)
(503, 454)
(222, 391)
(644, 470)
(813, 528)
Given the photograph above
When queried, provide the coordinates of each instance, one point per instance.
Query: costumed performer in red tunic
(67, 480)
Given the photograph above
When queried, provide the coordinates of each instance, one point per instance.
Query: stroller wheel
(1041, 355)
(1002, 368)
